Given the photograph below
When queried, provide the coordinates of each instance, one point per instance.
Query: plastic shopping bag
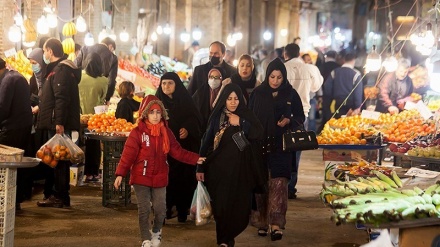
(60, 148)
(201, 210)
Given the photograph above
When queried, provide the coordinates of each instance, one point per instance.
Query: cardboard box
(427, 236)
(76, 175)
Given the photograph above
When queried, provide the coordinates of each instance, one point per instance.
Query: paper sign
(421, 173)
(11, 52)
(100, 109)
(370, 114)
(420, 107)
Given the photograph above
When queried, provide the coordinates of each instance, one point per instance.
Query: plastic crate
(8, 178)
(112, 149)
(7, 240)
(110, 195)
(7, 198)
(7, 221)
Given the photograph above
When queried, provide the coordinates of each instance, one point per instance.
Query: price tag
(11, 52)
(423, 110)
(421, 173)
(370, 114)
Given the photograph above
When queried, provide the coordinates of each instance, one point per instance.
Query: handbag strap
(300, 125)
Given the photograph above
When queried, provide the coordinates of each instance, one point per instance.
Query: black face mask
(214, 60)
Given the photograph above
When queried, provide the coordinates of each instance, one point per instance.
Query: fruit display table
(8, 189)
(112, 150)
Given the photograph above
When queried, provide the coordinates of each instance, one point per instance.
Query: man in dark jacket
(59, 111)
(200, 75)
(109, 61)
(15, 118)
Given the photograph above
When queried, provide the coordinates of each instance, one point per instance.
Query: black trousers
(61, 177)
(19, 138)
(93, 157)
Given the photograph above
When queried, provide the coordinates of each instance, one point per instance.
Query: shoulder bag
(299, 140)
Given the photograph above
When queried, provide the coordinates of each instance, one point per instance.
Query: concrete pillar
(242, 24)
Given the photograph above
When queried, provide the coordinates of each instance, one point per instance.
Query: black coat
(125, 109)
(59, 102)
(109, 62)
(200, 75)
(15, 105)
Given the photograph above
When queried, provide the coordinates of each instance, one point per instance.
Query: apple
(393, 147)
(402, 150)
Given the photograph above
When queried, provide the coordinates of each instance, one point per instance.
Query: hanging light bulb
(267, 35)
(48, 8)
(184, 36)
(429, 37)
(197, 33)
(237, 36)
(102, 35)
(80, 24)
(18, 18)
(42, 27)
(14, 33)
(123, 36)
(167, 29)
(112, 35)
(159, 30)
(230, 40)
(283, 32)
(390, 64)
(373, 61)
(52, 20)
(154, 36)
(88, 39)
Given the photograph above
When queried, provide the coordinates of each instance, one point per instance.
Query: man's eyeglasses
(214, 77)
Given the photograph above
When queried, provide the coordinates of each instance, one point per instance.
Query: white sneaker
(146, 243)
(156, 237)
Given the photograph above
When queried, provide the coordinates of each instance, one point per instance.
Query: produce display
(363, 168)
(401, 127)
(20, 63)
(125, 65)
(105, 123)
(388, 206)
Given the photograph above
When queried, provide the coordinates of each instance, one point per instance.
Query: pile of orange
(106, 122)
(402, 131)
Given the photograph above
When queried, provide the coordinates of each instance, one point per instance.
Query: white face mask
(214, 83)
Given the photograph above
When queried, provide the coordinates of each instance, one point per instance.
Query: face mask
(36, 68)
(214, 60)
(46, 60)
(214, 83)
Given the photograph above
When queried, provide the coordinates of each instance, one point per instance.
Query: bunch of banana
(389, 206)
(68, 46)
(20, 63)
(69, 29)
(31, 34)
(380, 183)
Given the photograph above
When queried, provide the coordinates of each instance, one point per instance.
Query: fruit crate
(7, 239)
(112, 149)
(8, 178)
(7, 221)
(110, 195)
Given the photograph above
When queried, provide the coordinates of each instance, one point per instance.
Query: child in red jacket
(145, 153)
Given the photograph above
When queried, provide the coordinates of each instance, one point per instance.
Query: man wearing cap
(199, 77)
(15, 116)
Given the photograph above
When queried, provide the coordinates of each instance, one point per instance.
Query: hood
(276, 64)
(93, 67)
(76, 72)
(147, 102)
(37, 55)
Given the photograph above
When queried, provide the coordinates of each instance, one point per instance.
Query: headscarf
(37, 55)
(263, 106)
(93, 67)
(180, 99)
(159, 129)
(244, 85)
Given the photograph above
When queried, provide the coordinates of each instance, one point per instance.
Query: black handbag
(240, 139)
(299, 140)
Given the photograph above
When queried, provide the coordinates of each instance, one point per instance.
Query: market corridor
(90, 224)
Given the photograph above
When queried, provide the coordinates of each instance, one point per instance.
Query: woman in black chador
(230, 174)
(185, 122)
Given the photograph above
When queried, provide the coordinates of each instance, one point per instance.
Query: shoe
(291, 195)
(50, 202)
(156, 238)
(146, 243)
(276, 235)
(231, 243)
(223, 245)
(91, 179)
(182, 218)
(262, 232)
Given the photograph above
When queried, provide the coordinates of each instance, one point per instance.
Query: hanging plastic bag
(60, 148)
(201, 210)
(76, 154)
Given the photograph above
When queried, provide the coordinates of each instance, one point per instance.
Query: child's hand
(118, 182)
(201, 160)
(183, 133)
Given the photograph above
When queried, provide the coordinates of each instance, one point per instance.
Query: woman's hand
(201, 160)
(283, 122)
(183, 133)
(118, 182)
(234, 120)
(200, 176)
